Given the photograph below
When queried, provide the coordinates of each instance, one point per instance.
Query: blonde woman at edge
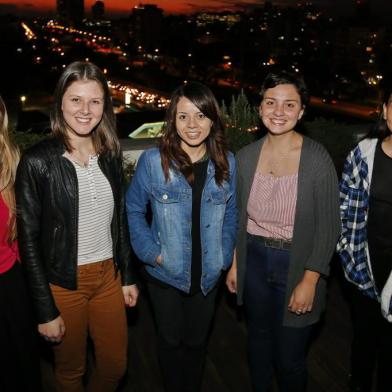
(19, 360)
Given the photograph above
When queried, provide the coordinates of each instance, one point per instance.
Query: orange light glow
(172, 6)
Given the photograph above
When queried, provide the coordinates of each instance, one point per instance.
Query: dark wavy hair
(380, 129)
(104, 136)
(279, 77)
(173, 156)
(274, 79)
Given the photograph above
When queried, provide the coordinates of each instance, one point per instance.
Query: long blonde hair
(9, 158)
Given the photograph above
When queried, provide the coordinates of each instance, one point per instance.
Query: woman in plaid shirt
(365, 249)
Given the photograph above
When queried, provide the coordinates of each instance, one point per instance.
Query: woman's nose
(85, 109)
(279, 109)
(191, 122)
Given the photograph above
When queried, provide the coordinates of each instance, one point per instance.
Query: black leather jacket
(47, 217)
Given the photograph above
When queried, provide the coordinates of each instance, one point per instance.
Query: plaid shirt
(354, 204)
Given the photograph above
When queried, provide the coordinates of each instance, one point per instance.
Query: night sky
(118, 6)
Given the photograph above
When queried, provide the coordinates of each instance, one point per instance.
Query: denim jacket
(169, 234)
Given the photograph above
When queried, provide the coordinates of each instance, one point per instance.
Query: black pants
(371, 345)
(183, 324)
(19, 359)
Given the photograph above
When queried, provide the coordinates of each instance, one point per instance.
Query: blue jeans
(270, 344)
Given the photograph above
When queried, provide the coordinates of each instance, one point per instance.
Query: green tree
(242, 121)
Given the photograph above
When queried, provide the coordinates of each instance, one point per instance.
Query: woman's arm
(29, 203)
(230, 220)
(127, 262)
(327, 229)
(137, 197)
(326, 216)
(231, 277)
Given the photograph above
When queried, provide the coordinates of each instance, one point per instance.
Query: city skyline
(172, 6)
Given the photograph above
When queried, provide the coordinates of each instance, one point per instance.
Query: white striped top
(271, 206)
(96, 206)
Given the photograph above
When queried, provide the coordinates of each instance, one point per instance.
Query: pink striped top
(271, 206)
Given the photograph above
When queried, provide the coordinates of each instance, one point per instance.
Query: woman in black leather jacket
(73, 232)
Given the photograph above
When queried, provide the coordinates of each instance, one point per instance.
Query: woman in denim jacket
(365, 249)
(189, 183)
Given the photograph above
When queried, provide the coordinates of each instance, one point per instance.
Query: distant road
(345, 108)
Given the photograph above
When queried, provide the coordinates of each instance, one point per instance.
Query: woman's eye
(268, 103)
(182, 117)
(201, 116)
(75, 99)
(97, 102)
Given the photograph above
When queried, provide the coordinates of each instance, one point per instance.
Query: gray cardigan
(316, 222)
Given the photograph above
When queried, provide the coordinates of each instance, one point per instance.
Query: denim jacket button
(165, 196)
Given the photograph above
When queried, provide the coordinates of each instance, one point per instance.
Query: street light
(23, 99)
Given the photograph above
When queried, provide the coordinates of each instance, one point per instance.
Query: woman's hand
(131, 294)
(52, 331)
(231, 277)
(301, 300)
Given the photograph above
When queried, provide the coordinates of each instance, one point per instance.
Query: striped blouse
(96, 206)
(271, 206)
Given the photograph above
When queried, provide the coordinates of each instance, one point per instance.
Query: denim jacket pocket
(166, 196)
(168, 211)
(220, 196)
(173, 267)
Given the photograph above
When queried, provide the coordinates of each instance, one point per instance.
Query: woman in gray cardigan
(288, 202)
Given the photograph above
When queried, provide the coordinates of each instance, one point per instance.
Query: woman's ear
(301, 113)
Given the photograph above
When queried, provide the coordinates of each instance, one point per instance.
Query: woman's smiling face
(281, 109)
(82, 107)
(193, 127)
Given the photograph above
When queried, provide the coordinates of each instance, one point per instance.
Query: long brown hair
(104, 136)
(9, 159)
(173, 156)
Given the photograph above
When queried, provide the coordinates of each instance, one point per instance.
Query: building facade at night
(98, 10)
(71, 11)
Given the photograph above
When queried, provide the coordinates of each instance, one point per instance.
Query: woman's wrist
(311, 277)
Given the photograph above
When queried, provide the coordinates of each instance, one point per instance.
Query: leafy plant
(25, 140)
(241, 120)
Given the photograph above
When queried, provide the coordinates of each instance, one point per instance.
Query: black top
(200, 174)
(380, 217)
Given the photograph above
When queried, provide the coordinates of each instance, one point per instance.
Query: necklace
(274, 163)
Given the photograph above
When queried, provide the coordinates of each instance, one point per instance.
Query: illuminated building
(147, 25)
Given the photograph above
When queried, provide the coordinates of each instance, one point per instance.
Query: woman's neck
(283, 142)
(82, 149)
(196, 153)
(387, 146)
